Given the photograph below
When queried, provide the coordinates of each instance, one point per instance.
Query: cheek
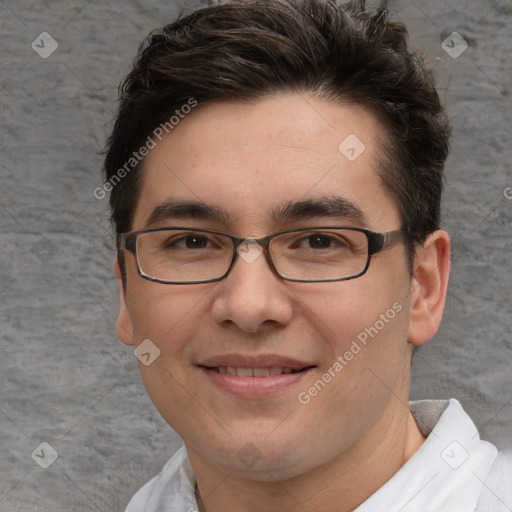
(364, 329)
(166, 315)
(358, 309)
(170, 319)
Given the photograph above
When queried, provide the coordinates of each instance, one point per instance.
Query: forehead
(251, 160)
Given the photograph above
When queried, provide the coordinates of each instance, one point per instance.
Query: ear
(124, 326)
(428, 287)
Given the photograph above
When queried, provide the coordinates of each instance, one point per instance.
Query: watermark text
(138, 156)
(355, 348)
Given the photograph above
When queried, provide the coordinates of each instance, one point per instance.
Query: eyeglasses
(181, 255)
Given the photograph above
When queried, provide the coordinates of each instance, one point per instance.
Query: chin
(259, 460)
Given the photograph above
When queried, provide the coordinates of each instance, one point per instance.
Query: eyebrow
(331, 206)
(177, 209)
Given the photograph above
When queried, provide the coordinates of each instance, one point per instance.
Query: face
(250, 160)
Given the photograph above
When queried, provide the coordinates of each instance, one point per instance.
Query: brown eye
(319, 241)
(187, 242)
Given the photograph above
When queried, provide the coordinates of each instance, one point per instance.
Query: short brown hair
(248, 49)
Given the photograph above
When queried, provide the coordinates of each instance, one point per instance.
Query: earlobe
(124, 326)
(429, 287)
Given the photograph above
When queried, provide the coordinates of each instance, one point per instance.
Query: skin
(336, 451)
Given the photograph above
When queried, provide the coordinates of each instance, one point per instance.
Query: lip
(254, 387)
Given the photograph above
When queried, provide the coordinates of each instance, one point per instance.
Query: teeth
(260, 372)
(244, 372)
(254, 372)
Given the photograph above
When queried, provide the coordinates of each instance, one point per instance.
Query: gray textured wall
(65, 379)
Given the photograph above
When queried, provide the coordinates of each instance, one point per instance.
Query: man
(276, 174)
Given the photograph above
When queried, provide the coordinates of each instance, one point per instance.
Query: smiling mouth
(255, 372)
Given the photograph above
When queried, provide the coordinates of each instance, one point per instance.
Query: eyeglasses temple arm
(391, 237)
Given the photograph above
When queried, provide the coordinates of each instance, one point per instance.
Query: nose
(252, 296)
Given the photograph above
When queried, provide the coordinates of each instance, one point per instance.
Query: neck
(340, 485)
